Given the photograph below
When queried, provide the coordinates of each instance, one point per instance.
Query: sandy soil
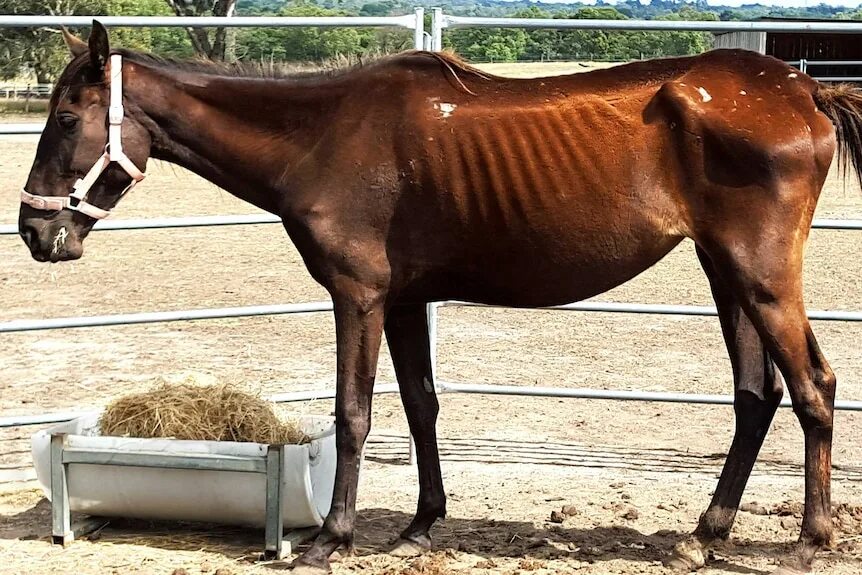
(638, 473)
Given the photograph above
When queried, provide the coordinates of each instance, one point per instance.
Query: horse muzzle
(51, 241)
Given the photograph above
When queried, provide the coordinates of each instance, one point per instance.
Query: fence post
(431, 315)
(419, 29)
(61, 522)
(273, 534)
(436, 29)
(431, 310)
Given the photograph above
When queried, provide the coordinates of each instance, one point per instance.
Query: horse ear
(76, 45)
(98, 46)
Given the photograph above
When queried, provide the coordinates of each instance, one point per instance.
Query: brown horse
(418, 178)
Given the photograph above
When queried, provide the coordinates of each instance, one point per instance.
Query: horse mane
(241, 69)
(454, 64)
(450, 65)
(332, 68)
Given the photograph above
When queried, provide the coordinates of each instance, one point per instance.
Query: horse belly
(543, 270)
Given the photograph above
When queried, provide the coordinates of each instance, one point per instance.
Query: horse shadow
(376, 529)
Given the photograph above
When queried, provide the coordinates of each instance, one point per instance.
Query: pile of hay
(189, 410)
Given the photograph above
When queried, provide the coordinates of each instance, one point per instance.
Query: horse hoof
(408, 548)
(305, 569)
(788, 570)
(687, 556)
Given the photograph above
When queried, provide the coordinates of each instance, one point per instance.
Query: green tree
(216, 45)
(301, 43)
(542, 44)
(488, 44)
(376, 9)
(172, 42)
(39, 51)
(683, 43)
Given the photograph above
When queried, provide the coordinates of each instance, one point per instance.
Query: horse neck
(242, 134)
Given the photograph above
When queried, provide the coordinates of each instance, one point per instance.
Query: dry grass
(190, 410)
(542, 69)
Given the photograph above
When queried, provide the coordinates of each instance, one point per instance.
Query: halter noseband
(77, 200)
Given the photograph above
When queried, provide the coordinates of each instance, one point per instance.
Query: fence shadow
(393, 449)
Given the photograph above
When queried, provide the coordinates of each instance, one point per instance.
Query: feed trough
(223, 482)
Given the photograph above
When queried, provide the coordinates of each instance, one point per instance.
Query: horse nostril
(29, 235)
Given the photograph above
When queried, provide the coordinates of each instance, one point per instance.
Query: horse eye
(67, 121)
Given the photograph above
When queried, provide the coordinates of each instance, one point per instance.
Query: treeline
(39, 52)
(501, 45)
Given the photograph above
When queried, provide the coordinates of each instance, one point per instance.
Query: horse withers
(418, 178)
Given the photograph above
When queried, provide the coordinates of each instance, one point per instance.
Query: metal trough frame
(276, 546)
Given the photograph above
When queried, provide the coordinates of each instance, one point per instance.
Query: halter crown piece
(77, 200)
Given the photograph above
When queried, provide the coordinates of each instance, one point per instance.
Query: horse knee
(351, 430)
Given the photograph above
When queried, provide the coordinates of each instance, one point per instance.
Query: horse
(418, 178)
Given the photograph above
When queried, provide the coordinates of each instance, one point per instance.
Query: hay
(189, 410)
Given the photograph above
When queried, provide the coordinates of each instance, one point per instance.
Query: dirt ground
(638, 474)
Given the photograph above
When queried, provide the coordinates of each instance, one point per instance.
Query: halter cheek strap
(77, 199)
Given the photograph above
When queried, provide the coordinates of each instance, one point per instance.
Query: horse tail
(842, 103)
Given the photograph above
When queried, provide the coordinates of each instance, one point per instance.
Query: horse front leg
(359, 318)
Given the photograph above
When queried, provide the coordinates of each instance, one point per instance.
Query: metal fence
(441, 21)
(415, 22)
(12, 91)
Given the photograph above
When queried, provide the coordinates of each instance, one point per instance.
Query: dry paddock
(637, 473)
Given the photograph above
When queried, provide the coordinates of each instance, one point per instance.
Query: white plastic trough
(227, 497)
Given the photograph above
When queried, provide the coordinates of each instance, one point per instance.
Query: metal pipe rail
(482, 389)
(19, 325)
(61, 416)
(609, 394)
(414, 21)
(21, 129)
(23, 325)
(827, 62)
(834, 27)
(264, 218)
(439, 21)
(405, 21)
(183, 222)
(659, 309)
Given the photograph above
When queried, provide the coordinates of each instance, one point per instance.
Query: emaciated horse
(418, 178)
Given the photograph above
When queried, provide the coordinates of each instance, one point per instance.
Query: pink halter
(77, 200)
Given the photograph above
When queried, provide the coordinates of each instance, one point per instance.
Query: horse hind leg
(757, 394)
(407, 335)
(763, 266)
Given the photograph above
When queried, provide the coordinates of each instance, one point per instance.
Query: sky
(785, 3)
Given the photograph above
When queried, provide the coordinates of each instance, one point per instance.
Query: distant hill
(630, 8)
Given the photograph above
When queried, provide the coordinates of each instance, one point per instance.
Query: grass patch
(13, 107)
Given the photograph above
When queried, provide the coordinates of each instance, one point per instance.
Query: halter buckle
(115, 115)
